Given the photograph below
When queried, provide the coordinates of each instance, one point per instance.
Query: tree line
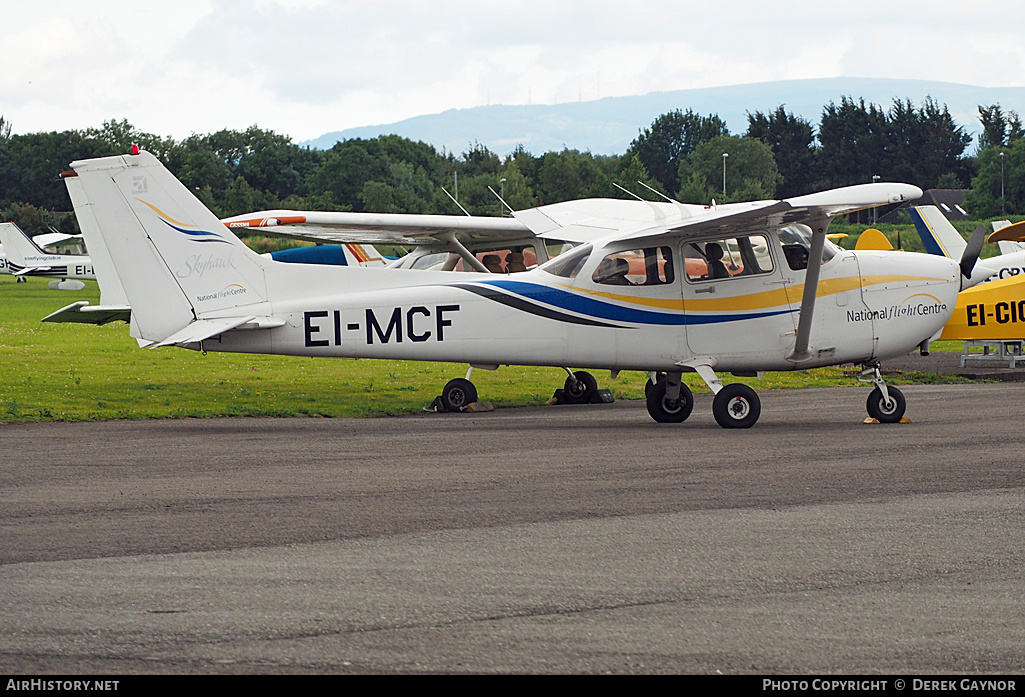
(691, 157)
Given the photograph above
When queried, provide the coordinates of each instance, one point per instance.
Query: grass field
(69, 372)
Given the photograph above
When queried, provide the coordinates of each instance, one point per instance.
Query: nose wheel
(888, 408)
(885, 404)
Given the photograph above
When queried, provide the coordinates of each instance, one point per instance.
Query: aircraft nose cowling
(908, 296)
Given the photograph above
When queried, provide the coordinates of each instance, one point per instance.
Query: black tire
(458, 394)
(885, 413)
(664, 410)
(581, 389)
(736, 406)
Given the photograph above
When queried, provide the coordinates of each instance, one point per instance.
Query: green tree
(517, 192)
(998, 128)
(670, 139)
(751, 172)
(792, 140)
(853, 139)
(998, 172)
(570, 174)
(347, 167)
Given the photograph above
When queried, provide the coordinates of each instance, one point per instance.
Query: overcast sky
(307, 67)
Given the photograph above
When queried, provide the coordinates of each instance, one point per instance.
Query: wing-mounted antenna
(456, 202)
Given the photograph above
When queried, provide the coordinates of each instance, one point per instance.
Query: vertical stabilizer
(19, 247)
(938, 235)
(176, 261)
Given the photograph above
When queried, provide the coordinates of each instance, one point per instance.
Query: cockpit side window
(727, 257)
(636, 267)
(796, 241)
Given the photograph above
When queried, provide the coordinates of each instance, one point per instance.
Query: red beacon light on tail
(135, 149)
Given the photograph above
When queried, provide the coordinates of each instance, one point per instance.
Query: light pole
(501, 204)
(1001, 183)
(724, 156)
(875, 178)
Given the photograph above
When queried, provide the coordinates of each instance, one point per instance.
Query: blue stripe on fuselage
(608, 311)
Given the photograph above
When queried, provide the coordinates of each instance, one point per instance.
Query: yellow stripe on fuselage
(776, 297)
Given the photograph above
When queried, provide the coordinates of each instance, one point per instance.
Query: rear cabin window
(727, 257)
(649, 266)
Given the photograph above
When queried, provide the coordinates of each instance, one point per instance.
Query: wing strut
(811, 289)
(450, 240)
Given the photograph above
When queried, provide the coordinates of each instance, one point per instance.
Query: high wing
(814, 210)
(377, 228)
(587, 219)
(1008, 233)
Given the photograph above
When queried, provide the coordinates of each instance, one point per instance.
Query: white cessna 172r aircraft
(26, 258)
(663, 288)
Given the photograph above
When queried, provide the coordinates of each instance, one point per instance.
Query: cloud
(306, 67)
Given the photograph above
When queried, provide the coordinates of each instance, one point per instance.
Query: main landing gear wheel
(458, 394)
(580, 387)
(883, 411)
(665, 410)
(736, 406)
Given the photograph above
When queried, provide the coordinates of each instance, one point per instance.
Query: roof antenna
(627, 191)
(656, 192)
(682, 208)
(501, 199)
(456, 202)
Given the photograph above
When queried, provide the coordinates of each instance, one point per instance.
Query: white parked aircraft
(662, 288)
(25, 258)
(940, 237)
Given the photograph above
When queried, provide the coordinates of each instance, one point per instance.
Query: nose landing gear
(885, 404)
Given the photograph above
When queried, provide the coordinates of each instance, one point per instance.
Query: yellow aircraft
(990, 311)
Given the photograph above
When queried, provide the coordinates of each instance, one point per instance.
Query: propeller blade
(972, 251)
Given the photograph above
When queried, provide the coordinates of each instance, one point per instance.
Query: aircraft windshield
(568, 264)
(796, 240)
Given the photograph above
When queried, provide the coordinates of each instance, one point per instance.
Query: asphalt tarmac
(541, 540)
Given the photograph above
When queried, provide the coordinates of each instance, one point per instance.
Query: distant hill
(607, 126)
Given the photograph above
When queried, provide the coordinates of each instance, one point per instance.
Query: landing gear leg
(885, 404)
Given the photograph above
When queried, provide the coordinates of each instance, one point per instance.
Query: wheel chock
(602, 396)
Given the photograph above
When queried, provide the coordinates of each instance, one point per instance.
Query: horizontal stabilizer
(84, 313)
(204, 329)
